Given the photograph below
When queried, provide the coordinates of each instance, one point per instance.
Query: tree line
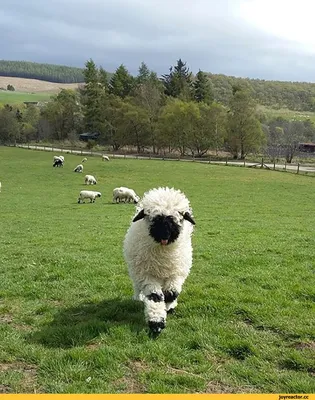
(176, 112)
(297, 96)
(45, 72)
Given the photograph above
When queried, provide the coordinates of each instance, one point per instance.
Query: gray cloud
(208, 34)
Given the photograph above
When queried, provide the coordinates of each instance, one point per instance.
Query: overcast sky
(266, 39)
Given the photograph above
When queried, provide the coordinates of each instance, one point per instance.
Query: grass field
(7, 97)
(245, 320)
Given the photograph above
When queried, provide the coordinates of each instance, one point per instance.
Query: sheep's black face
(164, 229)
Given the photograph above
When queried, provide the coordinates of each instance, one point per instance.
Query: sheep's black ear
(140, 215)
(188, 217)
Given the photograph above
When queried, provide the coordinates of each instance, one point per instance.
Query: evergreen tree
(121, 83)
(103, 78)
(178, 83)
(92, 97)
(202, 88)
(143, 73)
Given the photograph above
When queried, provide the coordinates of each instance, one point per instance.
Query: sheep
(90, 180)
(58, 163)
(105, 158)
(84, 159)
(62, 158)
(158, 251)
(126, 194)
(78, 168)
(59, 158)
(88, 194)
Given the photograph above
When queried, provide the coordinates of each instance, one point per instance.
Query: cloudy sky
(266, 39)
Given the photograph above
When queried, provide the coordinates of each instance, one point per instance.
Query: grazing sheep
(105, 158)
(124, 194)
(84, 159)
(78, 168)
(90, 180)
(88, 194)
(58, 163)
(62, 158)
(59, 158)
(158, 252)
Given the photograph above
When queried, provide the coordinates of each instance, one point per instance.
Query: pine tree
(202, 88)
(103, 78)
(143, 73)
(121, 83)
(92, 98)
(178, 83)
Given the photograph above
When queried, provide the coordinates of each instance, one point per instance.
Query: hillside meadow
(245, 320)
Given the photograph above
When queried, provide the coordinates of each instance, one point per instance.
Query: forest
(297, 96)
(44, 72)
(177, 113)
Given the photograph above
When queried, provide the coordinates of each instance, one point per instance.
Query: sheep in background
(58, 163)
(90, 180)
(78, 168)
(62, 158)
(84, 159)
(125, 194)
(158, 252)
(88, 194)
(105, 158)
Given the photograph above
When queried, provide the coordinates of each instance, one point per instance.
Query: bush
(11, 88)
(90, 144)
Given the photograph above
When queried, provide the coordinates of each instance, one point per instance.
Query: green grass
(287, 114)
(245, 319)
(7, 97)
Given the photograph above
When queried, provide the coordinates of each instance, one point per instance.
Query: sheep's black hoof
(156, 297)
(170, 295)
(156, 328)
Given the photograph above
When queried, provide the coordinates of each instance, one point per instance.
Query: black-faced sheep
(90, 180)
(58, 163)
(78, 168)
(158, 251)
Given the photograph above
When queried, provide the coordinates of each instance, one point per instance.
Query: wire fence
(293, 168)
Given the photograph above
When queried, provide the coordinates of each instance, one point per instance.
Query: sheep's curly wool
(158, 251)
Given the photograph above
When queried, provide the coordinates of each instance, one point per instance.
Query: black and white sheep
(78, 168)
(125, 194)
(88, 194)
(105, 158)
(84, 159)
(90, 180)
(58, 163)
(158, 252)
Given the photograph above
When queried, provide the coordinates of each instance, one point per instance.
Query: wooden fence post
(226, 161)
(285, 165)
(298, 168)
(274, 164)
(262, 163)
(209, 159)
(244, 163)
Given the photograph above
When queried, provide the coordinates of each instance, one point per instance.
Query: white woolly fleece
(152, 266)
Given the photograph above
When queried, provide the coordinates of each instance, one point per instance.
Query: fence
(293, 168)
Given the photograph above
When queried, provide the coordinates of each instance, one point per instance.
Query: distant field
(34, 85)
(7, 97)
(245, 319)
(30, 90)
(288, 114)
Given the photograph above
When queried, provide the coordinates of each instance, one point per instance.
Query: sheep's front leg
(154, 306)
(171, 291)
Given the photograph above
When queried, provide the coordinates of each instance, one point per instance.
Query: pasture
(7, 97)
(245, 320)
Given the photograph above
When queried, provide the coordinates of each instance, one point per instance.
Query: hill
(46, 72)
(34, 85)
(296, 96)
